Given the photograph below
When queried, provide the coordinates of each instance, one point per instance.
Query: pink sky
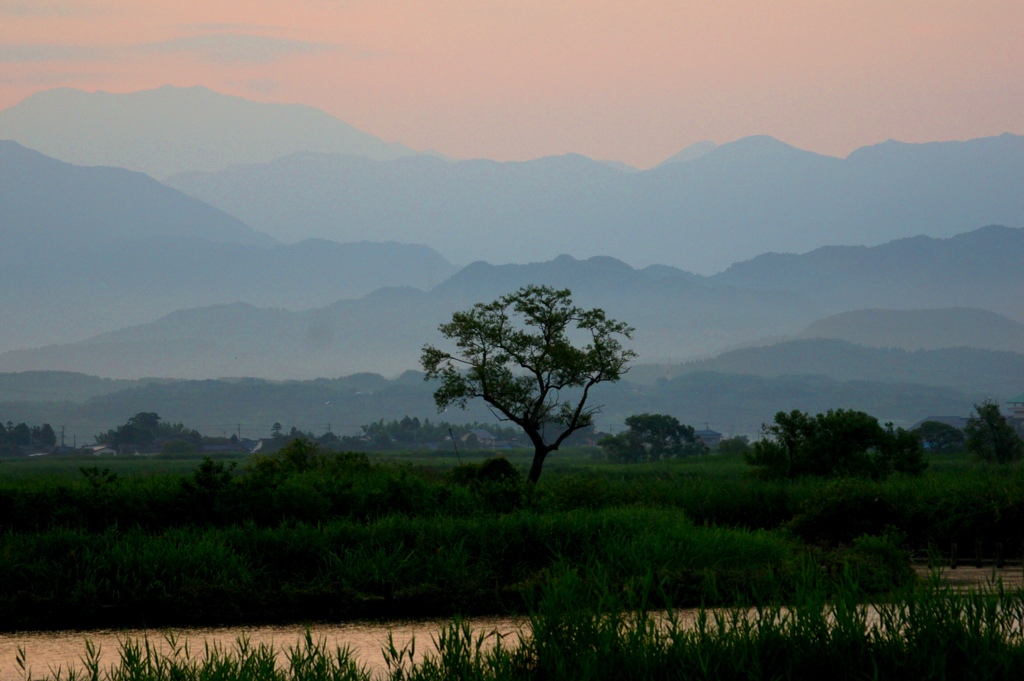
(512, 80)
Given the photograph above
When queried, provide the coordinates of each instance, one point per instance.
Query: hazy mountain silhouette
(981, 269)
(170, 129)
(922, 329)
(92, 249)
(972, 370)
(102, 287)
(734, 202)
(674, 313)
(691, 153)
(48, 201)
(678, 315)
(456, 207)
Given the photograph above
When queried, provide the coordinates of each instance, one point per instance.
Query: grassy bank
(581, 630)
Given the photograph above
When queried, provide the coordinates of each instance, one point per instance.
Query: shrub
(843, 510)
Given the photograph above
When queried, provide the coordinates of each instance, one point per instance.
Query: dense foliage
(990, 437)
(308, 533)
(840, 442)
(939, 437)
(14, 438)
(652, 437)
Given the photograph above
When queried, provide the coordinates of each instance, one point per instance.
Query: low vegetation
(306, 534)
(579, 629)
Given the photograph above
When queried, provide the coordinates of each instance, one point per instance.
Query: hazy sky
(634, 81)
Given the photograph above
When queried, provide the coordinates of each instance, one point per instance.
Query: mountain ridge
(171, 129)
(733, 203)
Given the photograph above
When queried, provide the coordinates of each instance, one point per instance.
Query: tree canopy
(533, 357)
(990, 437)
(140, 432)
(840, 442)
(14, 439)
(652, 437)
(939, 437)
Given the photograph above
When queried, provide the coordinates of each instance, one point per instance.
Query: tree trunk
(539, 454)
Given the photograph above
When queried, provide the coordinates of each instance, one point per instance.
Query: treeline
(408, 433)
(742, 402)
(17, 438)
(144, 429)
(411, 433)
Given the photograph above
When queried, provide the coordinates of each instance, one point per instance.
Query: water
(45, 651)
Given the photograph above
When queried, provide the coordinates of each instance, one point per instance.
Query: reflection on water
(52, 649)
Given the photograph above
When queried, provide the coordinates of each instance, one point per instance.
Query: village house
(710, 438)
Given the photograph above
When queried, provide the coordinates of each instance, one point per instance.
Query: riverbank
(580, 631)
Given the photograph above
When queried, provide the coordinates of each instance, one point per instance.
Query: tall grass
(580, 630)
(346, 569)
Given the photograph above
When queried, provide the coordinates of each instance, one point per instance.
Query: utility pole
(62, 437)
(239, 425)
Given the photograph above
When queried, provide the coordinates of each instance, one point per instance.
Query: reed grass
(339, 569)
(581, 630)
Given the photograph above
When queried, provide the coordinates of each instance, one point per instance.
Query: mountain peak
(173, 129)
(691, 153)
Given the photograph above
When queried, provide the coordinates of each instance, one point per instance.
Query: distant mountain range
(46, 201)
(958, 327)
(294, 172)
(732, 203)
(171, 129)
(93, 249)
(981, 268)
(677, 315)
(216, 273)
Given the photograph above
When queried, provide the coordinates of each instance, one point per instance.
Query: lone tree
(517, 354)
